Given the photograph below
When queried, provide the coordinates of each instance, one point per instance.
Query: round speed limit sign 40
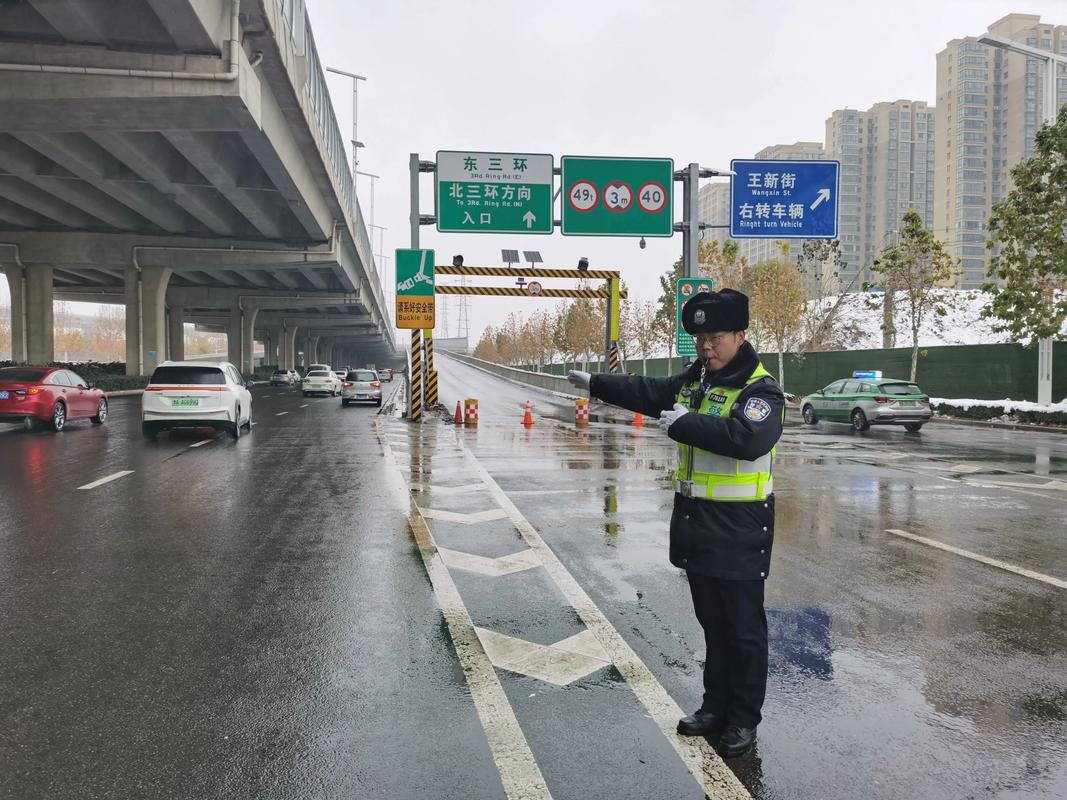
(582, 196)
(651, 197)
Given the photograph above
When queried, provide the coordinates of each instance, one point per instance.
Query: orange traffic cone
(527, 418)
(459, 414)
(639, 421)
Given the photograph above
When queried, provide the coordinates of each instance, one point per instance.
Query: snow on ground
(1010, 406)
(962, 325)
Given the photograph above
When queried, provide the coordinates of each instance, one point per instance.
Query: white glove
(579, 379)
(668, 418)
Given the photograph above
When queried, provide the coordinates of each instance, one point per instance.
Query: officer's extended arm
(740, 434)
(648, 396)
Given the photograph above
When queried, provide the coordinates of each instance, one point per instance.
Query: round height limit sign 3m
(617, 196)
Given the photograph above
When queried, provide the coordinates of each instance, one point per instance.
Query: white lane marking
(559, 664)
(304, 406)
(717, 780)
(519, 773)
(494, 567)
(201, 444)
(107, 479)
(1026, 573)
(488, 515)
(281, 413)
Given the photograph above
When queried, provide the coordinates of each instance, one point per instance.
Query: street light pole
(1049, 109)
(356, 144)
(373, 178)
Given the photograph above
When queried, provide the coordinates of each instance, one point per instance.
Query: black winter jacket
(721, 540)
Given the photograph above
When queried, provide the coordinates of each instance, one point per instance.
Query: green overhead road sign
(415, 289)
(617, 196)
(493, 192)
(685, 289)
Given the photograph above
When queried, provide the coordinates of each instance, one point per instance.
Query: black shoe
(701, 723)
(736, 741)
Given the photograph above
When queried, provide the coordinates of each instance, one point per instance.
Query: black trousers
(735, 632)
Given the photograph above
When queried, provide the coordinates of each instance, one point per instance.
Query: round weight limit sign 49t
(617, 196)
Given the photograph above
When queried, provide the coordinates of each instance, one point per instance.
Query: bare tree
(777, 303)
(917, 267)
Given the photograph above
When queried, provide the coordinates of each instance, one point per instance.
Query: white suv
(196, 394)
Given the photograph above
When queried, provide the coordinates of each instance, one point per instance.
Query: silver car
(361, 386)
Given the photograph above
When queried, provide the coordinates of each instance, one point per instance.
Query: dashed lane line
(1026, 573)
(106, 479)
(201, 444)
(519, 773)
(304, 406)
(717, 780)
(281, 413)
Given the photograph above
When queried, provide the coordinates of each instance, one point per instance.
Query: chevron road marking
(561, 663)
(520, 775)
(433, 488)
(493, 567)
(704, 764)
(488, 515)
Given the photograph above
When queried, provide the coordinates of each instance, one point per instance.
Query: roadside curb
(1007, 426)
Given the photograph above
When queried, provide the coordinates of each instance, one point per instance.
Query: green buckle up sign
(617, 196)
(685, 289)
(415, 283)
(479, 192)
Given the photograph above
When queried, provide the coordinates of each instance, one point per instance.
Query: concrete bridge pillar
(248, 341)
(176, 339)
(146, 318)
(233, 337)
(272, 354)
(288, 341)
(15, 278)
(38, 325)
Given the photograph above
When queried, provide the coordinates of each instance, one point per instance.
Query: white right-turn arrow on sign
(824, 195)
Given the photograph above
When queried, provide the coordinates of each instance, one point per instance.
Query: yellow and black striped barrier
(613, 358)
(431, 388)
(528, 272)
(513, 291)
(431, 373)
(415, 406)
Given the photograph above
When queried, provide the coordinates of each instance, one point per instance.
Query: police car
(868, 399)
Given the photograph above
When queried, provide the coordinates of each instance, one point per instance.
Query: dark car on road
(49, 396)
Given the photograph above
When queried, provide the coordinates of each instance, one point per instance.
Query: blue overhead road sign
(784, 199)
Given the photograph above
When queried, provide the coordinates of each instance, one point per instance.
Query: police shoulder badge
(757, 409)
(699, 317)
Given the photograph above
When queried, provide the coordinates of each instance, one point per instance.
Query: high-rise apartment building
(887, 167)
(988, 111)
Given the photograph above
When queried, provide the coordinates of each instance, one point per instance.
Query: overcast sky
(703, 81)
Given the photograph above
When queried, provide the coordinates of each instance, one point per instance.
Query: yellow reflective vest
(709, 476)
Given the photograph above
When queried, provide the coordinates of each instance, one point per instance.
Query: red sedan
(49, 395)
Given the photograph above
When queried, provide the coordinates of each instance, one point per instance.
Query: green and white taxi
(868, 399)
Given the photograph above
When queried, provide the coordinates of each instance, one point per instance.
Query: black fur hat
(713, 312)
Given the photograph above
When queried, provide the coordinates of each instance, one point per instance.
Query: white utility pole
(1050, 106)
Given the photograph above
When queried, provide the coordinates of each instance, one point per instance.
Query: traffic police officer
(725, 412)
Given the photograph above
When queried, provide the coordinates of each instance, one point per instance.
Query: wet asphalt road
(253, 619)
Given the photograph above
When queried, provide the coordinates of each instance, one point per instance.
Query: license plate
(185, 401)
(4, 395)
(361, 397)
(908, 403)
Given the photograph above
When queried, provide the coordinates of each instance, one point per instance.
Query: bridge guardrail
(324, 119)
